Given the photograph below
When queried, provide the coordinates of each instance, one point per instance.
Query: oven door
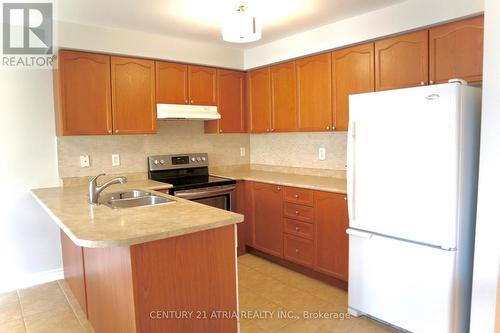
(216, 196)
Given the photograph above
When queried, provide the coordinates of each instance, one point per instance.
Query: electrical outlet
(242, 151)
(84, 161)
(322, 154)
(115, 159)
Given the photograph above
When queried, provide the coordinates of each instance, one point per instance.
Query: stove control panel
(181, 161)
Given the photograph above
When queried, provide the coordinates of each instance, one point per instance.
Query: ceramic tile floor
(265, 288)
(46, 308)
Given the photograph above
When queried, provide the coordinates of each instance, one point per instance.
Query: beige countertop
(101, 226)
(245, 172)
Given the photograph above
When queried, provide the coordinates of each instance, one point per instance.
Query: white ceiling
(201, 19)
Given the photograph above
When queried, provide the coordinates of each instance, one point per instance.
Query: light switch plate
(322, 154)
(242, 152)
(115, 159)
(84, 161)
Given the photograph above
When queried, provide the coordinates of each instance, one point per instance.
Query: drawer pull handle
(296, 196)
(297, 229)
(297, 212)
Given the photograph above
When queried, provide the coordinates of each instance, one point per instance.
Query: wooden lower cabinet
(312, 234)
(127, 289)
(331, 251)
(267, 203)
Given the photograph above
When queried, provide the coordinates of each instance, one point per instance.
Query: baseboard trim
(33, 279)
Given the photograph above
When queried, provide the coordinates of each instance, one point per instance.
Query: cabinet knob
(297, 229)
(345, 198)
(296, 196)
(297, 212)
(272, 129)
(278, 188)
(110, 131)
(186, 101)
(220, 131)
(192, 101)
(333, 127)
(117, 131)
(431, 82)
(422, 83)
(297, 250)
(328, 127)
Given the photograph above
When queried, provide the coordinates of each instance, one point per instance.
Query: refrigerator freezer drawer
(405, 284)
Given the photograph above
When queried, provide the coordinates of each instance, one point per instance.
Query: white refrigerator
(412, 163)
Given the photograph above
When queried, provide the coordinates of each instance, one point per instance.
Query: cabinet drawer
(298, 228)
(299, 196)
(298, 212)
(299, 250)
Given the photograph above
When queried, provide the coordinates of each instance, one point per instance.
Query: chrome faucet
(95, 190)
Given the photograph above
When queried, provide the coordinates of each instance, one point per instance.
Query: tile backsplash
(296, 150)
(299, 149)
(173, 137)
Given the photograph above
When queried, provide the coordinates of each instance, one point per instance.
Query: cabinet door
(283, 94)
(133, 91)
(84, 104)
(267, 201)
(171, 83)
(314, 93)
(331, 242)
(352, 73)
(456, 51)
(259, 100)
(231, 101)
(202, 85)
(402, 61)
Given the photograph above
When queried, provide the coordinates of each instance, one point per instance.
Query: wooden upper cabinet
(202, 85)
(352, 73)
(456, 51)
(314, 93)
(171, 83)
(259, 100)
(83, 94)
(133, 92)
(331, 251)
(283, 97)
(267, 202)
(402, 61)
(231, 103)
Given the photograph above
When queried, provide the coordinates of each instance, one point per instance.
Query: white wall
(407, 15)
(487, 252)
(29, 240)
(135, 43)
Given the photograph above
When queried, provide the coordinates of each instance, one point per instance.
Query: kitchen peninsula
(130, 268)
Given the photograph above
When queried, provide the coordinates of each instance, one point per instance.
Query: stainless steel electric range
(188, 173)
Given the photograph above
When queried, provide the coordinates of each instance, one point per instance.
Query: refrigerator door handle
(351, 170)
(358, 233)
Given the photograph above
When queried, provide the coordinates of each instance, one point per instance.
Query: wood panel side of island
(186, 283)
(110, 296)
(74, 270)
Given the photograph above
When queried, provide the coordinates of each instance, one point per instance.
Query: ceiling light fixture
(241, 25)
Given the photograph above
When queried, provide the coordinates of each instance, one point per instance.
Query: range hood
(183, 111)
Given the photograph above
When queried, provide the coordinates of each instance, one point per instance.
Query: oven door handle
(204, 193)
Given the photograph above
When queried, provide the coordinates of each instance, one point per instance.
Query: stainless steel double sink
(132, 198)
